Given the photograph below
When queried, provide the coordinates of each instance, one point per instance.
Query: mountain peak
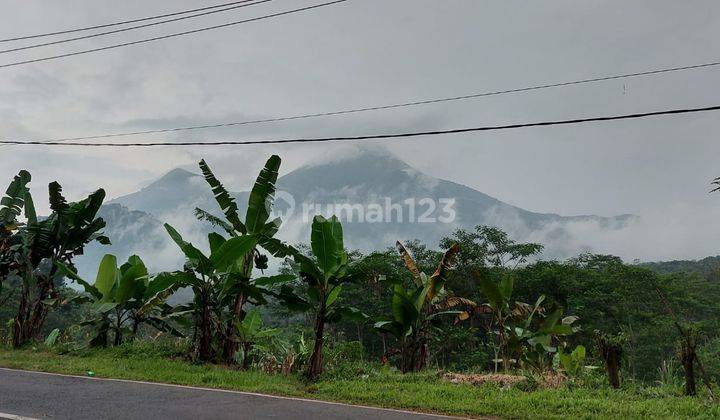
(371, 155)
(176, 175)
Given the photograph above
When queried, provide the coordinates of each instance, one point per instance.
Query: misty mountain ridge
(366, 181)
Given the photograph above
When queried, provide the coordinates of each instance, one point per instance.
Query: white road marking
(228, 391)
(14, 417)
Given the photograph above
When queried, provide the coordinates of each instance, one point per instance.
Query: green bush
(709, 354)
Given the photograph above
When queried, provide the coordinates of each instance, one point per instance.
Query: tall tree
(17, 197)
(415, 309)
(323, 275)
(216, 280)
(256, 225)
(37, 246)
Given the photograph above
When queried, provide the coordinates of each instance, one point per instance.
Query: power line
(392, 106)
(87, 28)
(157, 38)
(377, 136)
(162, 22)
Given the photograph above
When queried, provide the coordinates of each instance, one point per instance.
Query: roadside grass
(373, 386)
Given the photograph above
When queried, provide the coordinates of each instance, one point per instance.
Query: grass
(375, 387)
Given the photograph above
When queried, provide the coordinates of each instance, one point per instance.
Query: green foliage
(124, 298)
(253, 335)
(324, 275)
(216, 280)
(372, 385)
(30, 250)
(572, 363)
(418, 307)
(327, 283)
(709, 354)
(52, 337)
(254, 232)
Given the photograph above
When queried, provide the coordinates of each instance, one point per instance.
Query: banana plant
(256, 225)
(123, 298)
(415, 308)
(323, 275)
(17, 198)
(534, 340)
(250, 332)
(526, 333)
(42, 243)
(216, 280)
(572, 363)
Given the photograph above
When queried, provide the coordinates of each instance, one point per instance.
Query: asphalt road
(36, 395)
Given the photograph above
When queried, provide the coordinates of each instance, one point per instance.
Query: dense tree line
(480, 301)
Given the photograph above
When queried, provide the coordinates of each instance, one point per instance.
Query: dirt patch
(551, 380)
(504, 381)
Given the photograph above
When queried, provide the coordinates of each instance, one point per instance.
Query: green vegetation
(366, 384)
(602, 338)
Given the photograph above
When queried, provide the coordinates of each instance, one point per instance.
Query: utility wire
(157, 38)
(377, 136)
(392, 106)
(62, 41)
(87, 28)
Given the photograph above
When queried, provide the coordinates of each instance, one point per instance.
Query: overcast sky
(373, 52)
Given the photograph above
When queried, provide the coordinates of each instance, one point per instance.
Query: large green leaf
(420, 296)
(69, 273)
(194, 255)
(223, 198)
(30, 213)
(326, 240)
(276, 247)
(403, 307)
(232, 251)
(215, 240)
(164, 285)
(273, 280)
(12, 203)
(133, 279)
(506, 287)
(107, 277)
(393, 327)
(250, 325)
(491, 291)
(333, 295)
(262, 196)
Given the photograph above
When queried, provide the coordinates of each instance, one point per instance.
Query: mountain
(379, 197)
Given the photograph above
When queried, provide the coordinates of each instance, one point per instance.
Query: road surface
(34, 395)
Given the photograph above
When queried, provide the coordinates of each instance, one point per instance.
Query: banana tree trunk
(316, 360)
(118, 330)
(247, 346)
(204, 352)
(101, 338)
(422, 357)
(32, 312)
(231, 344)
